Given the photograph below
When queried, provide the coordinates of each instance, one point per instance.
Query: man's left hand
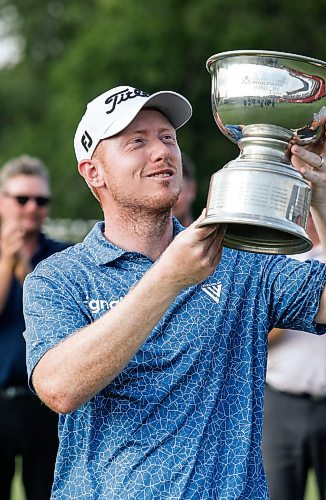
(310, 161)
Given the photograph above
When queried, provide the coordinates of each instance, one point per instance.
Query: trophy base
(265, 205)
(261, 236)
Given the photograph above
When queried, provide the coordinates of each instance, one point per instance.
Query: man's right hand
(11, 241)
(194, 254)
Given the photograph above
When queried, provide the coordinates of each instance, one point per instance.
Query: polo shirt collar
(104, 252)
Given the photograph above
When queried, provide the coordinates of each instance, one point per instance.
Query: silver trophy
(261, 100)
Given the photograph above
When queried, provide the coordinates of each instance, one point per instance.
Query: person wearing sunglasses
(27, 428)
(41, 201)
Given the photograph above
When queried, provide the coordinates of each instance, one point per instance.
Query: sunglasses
(41, 201)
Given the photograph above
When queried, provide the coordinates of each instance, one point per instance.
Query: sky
(10, 45)
(9, 51)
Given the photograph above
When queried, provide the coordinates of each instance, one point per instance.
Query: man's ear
(91, 170)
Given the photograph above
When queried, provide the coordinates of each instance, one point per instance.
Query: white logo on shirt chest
(97, 305)
(213, 291)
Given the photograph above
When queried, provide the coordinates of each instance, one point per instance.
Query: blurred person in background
(182, 210)
(294, 436)
(27, 427)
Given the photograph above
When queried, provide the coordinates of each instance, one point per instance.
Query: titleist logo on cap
(123, 95)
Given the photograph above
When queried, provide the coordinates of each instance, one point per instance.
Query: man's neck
(146, 233)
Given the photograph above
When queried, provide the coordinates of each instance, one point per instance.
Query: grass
(311, 490)
(17, 491)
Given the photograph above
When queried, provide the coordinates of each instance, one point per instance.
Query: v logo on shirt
(213, 291)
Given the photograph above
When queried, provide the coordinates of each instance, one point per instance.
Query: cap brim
(174, 106)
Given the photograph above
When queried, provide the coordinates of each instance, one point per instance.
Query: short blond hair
(23, 165)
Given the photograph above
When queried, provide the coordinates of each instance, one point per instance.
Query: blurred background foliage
(69, 51)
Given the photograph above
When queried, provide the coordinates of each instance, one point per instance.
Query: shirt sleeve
(52, 312)
(293, 290)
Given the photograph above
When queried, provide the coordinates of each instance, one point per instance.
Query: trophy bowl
(262, 100)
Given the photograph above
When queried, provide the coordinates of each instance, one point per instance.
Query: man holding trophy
(149, 339)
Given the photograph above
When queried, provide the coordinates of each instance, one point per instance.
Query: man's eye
(168, 137)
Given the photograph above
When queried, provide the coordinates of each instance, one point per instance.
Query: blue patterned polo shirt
(183, 420)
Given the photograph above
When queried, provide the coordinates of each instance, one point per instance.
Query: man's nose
(31, 203)
(160, 151)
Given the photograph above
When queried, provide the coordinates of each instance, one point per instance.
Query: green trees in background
(73, 50)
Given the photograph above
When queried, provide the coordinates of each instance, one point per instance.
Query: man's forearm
(319, 217)
(83, 364)
(6, 277)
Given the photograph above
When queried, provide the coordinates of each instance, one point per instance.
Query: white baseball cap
(112, 111)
